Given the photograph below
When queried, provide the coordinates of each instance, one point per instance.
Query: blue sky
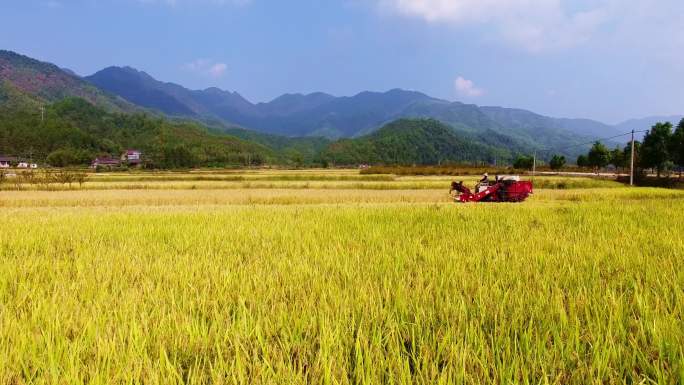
(604, 59)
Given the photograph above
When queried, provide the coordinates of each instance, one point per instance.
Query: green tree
(68, 157)
(523, 162)
(179, 157)
(617, 158)
(557, 162)
(295, 157)
(598, 156)
(677, 146)
(60, 158)
(655, 150)
(582, 161)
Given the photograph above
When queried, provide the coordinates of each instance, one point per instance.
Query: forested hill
(26, 82)
(74, 132)
(292, 151)
(412, 141)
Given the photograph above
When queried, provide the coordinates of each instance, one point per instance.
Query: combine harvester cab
(505, 189)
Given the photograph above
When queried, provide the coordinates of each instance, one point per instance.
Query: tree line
(44, 179)
(661, 150)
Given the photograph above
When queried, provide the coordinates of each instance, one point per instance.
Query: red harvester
(505, 189)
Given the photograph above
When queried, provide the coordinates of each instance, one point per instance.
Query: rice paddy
(331, 277)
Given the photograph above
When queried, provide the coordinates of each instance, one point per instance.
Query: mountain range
(306, 124)
(320, 114)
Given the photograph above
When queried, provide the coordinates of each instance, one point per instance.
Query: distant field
(296, 277)
(283, 179)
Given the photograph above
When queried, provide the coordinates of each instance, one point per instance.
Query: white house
(132, 157)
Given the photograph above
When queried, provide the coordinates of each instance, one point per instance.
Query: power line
(548, 150)
(591, 142)
(631, 173)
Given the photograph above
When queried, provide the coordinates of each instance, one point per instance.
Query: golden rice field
(331, 277)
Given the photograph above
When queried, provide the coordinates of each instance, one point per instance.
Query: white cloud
(535, 25)
(653, 28)
(217, 70)
(207, 67)
(467, 88)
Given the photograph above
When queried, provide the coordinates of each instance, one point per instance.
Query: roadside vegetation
(661, 152)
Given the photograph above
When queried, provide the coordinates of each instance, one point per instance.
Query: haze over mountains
(645, 123)
(320, 114)
(299, 123)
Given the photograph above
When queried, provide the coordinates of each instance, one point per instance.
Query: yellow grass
(340, 286)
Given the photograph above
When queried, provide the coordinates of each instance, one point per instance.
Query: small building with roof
(105, 162)
(132, 157)
(7, 161)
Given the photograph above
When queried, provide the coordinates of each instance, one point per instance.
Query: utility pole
(631, 168)
(534, 164)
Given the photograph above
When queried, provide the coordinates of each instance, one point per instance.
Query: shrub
(557, 162)
(523, 163)
(68, 157)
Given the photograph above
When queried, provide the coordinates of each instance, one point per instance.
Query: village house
(132, 157)
(128, 158)
(7, 161)
(105, 162)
